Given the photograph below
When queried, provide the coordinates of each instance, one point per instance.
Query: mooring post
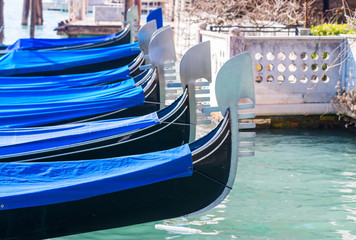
(33, 18)
(25, 12)
(1, 21)
(81, 10)
(36, 12)
(39, 14)
(127, 5)
(138, 3)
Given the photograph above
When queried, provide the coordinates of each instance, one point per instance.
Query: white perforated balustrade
(307, 69)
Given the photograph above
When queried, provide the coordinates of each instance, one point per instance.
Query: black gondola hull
(167, 199)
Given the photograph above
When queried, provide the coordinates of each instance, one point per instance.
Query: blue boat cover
(38, 43)
(36, 184)
(156, 15)
(64, 81)
(38, 114)
(41, 43)
(68, 95)
(19, 141)
(22, 62)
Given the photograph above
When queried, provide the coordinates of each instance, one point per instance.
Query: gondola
(70, 81)
(49, 63)
(165, 129)
(47, 200)
(133, 102)
(122, 37)
(57, 44)
(36, 96)
(119, 38)
(87, 79)
(85, 104)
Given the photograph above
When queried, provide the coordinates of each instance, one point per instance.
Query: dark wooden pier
(88, 27)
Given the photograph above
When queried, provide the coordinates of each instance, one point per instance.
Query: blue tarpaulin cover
(58, 96)
(18, 141)
(35, 184)
(64, 81)
(22, 62)
(26, 115)
(38, 43)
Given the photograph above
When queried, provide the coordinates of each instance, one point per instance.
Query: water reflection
(348, 189)
(195, 225)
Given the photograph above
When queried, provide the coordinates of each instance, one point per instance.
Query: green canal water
(301, 184)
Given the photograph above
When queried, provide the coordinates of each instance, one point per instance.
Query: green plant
(328, 29)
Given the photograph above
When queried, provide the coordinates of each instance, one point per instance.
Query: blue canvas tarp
(25, 98)
(22, 62)
(17, 141)
(38, 43)
(35, 184)
(26, 115)
(64, 81)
